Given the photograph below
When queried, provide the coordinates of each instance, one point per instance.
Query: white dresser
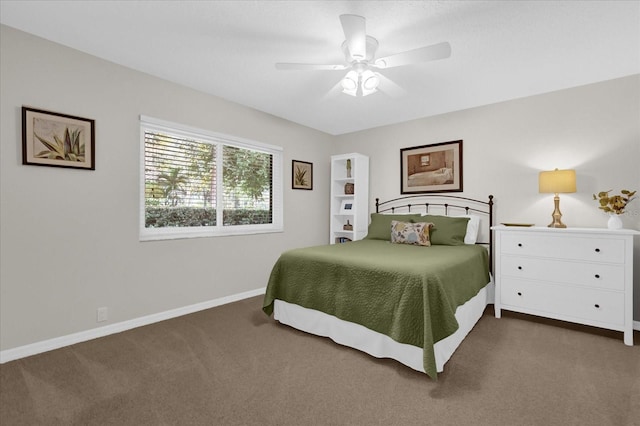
(582, 275)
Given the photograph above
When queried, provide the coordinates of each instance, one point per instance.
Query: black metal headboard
(442, 204)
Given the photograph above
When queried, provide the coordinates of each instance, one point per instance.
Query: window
(196, 183)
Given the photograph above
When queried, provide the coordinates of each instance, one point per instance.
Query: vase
(614, 221)
(349, 188)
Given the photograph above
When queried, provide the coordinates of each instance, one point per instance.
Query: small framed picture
(58, 140)
(346, 207)
(301, 175)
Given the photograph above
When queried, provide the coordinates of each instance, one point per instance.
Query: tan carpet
(232, 365)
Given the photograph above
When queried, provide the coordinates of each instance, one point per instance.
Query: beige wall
(69, 238)
(594, 129)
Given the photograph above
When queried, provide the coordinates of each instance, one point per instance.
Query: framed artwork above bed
(431, 168)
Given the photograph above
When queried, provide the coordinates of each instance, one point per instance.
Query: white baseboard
(83, 336)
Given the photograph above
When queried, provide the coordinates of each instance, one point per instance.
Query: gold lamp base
(556, 215)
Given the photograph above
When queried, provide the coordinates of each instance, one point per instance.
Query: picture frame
(431, 168)
(301, 175)
(57, 140)
(346, 207)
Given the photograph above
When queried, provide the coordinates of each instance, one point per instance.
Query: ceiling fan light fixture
(350, 82)
(370, 81)
(360, 58)
(366, 92)
(360, 83)
(353, 92)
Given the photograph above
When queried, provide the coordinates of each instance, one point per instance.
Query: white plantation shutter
(196, 183)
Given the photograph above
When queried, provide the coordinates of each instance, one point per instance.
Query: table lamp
(555, 182)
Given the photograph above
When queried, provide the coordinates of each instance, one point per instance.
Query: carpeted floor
(232, 365)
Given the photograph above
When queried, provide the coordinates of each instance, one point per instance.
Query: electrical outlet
(102, 314)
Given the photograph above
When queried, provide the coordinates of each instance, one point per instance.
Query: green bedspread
(409, 293)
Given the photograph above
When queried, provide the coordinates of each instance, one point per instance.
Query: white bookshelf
(351, 208)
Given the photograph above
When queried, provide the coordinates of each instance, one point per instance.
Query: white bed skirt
(378, 345)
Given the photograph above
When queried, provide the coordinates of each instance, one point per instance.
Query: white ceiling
(501, 50)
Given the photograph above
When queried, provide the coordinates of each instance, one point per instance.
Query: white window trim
(152, 234)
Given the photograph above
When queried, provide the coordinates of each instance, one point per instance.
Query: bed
(435, 177)
(410, 301)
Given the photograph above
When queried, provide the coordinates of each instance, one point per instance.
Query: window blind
(201, 180)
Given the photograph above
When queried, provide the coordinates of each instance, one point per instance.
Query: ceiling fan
(360, 50)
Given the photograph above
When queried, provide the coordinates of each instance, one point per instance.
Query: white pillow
(473, 227)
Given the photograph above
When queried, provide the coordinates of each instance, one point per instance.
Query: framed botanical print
(58, 140)
(301, 175)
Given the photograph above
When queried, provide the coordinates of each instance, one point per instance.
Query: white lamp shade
(370, 80)
(557, 181)
(350, 81)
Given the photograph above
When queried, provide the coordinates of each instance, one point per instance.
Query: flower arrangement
(614, 203)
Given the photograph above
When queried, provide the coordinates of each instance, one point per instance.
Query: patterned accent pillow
(410, 233)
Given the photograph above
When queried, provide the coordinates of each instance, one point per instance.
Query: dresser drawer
(596, 275)
(563, 247)
(563, 302)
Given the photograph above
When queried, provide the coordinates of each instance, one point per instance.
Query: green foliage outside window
(181, 187)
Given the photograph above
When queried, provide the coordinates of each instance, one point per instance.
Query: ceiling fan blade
(309, 67)
(421, 54)
(355, 34)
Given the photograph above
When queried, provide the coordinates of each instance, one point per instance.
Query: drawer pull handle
(597, 250)
(597, 275)
(597, 306)
(520, 268)
(519, 294)
(519, 244)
